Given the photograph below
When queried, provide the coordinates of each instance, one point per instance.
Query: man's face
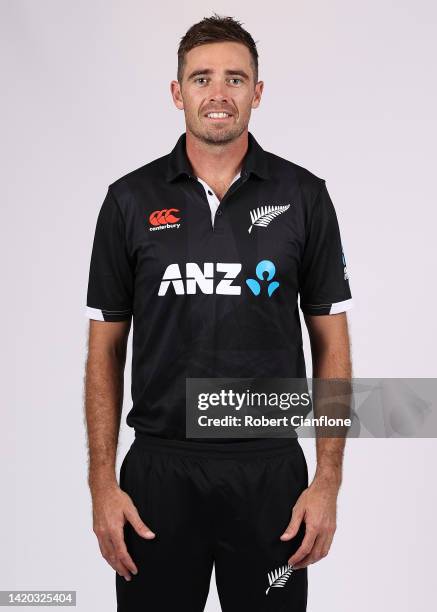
(217, 77)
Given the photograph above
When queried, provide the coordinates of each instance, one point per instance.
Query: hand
(317, 505)
(112, 508)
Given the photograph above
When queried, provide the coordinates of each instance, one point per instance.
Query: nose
(218, 92)
(218, 98)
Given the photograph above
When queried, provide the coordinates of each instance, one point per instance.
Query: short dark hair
(216, 29)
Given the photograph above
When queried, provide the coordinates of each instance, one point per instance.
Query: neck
(219, 161)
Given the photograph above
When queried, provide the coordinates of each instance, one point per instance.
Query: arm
(317, 505)
(104, 378)
(329, 338)
(103, 405)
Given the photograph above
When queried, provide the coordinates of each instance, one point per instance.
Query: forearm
(331, 364)
(103, 405)
(329, 461)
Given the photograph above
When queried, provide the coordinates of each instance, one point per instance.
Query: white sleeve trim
(94, 313)
(102, 314)
(341, 306)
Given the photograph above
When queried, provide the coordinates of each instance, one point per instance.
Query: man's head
(217, 72)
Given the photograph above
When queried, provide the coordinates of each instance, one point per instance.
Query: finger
(328, 543)
(108, 552)
(122, 552)
(329, 538)
(121, 570)
(104, 546)
(135, 520)
(302, 564)
(315, 555)
(305, 548)
(293, 526)
(117, 562)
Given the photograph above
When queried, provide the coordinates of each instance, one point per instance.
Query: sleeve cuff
(99, 314)
(324, 309)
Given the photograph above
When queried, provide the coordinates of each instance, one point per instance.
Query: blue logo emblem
(342, 256)
(264, 267)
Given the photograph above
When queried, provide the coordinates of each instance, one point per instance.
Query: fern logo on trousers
(264, 215)
(279, 577)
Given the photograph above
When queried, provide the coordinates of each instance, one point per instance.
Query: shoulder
(307, 182)
(139, 178)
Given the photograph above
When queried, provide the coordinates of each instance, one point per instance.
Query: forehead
(218, 55)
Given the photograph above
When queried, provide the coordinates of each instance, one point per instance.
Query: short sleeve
(324, 280)
(110, 282)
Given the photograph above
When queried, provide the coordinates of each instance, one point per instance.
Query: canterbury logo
(165, 218)
(263, 215)
(279, 577)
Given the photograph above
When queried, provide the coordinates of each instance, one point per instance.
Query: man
(175, 242)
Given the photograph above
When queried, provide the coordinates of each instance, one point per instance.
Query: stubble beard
(214, 136)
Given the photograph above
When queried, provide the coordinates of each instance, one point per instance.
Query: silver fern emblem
(279, 577)
(264, 214)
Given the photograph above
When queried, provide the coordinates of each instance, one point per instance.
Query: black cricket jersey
(212, 286)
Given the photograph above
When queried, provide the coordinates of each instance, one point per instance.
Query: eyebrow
(237, 71)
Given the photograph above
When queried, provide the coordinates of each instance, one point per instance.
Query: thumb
(135, 520)
(294, 524)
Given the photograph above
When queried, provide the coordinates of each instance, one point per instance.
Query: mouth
(218, 116)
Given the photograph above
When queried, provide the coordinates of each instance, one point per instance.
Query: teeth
(218, 115)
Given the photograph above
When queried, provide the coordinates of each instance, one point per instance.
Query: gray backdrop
(350, 93)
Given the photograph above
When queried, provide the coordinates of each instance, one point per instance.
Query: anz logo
(264, 267)
(204, 281)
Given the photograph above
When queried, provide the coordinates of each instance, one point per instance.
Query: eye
(237, 79)
(199, 79)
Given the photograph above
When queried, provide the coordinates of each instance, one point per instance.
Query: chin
(221, 135)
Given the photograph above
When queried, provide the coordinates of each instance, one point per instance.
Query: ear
(176, 94)
(259, 88)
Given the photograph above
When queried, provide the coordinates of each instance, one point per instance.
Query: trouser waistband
(271, 446)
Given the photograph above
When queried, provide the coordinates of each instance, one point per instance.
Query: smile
(218, 115)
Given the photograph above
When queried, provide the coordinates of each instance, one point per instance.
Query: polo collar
(255, 161)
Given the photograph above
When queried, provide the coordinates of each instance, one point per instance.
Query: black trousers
(213, 503)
